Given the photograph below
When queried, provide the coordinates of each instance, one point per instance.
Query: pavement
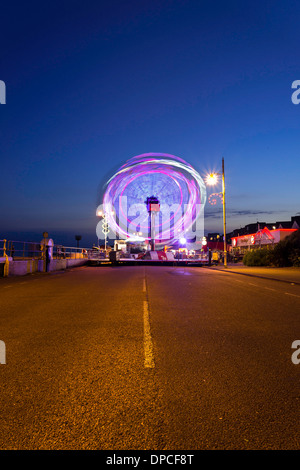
(290, 275)
(149, 358)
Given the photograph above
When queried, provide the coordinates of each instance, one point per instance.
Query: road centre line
(294, 295)
(148, 346)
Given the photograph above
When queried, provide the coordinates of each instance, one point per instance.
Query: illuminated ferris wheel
(176, 184)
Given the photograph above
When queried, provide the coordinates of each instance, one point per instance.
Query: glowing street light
(212, 179)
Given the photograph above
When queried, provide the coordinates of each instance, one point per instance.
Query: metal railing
(71, 252)
(21, 250)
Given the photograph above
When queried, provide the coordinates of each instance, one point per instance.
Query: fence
(20, 250)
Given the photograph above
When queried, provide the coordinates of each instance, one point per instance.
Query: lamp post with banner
(105, 230)
(212, 179)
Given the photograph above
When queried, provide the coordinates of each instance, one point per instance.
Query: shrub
(287, 252)
(295, 257)
(282, 254)
(259, 257)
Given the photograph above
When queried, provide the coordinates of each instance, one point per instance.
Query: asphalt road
(148, 358)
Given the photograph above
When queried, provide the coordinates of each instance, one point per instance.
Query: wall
(22, 267)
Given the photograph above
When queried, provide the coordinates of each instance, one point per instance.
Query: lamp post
(211, 180)
(78, 238)
(105, 226)
(100, 215)
(224, 213)
(105, 230)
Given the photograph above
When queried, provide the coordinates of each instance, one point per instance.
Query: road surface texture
(148, 357)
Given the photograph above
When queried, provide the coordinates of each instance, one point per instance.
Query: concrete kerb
(228, 270)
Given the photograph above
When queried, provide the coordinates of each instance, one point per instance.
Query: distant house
(262, 238)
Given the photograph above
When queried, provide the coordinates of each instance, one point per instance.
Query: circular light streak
(169, 178)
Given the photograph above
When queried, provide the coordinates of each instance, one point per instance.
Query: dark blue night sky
(92, 84)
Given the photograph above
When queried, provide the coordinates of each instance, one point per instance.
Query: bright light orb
(211, 179)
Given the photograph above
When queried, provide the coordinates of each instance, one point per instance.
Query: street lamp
(105, 227)
(78, 238)
(105, 230)
(99, 214)
(212, 179)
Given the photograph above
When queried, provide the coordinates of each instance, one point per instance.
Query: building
(263, 238)
(262, 234)
(254, 235)
(294, 223)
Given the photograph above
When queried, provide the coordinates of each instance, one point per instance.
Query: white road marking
(148, 346)
(6, 287)
(144, 285)
(263, 287)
